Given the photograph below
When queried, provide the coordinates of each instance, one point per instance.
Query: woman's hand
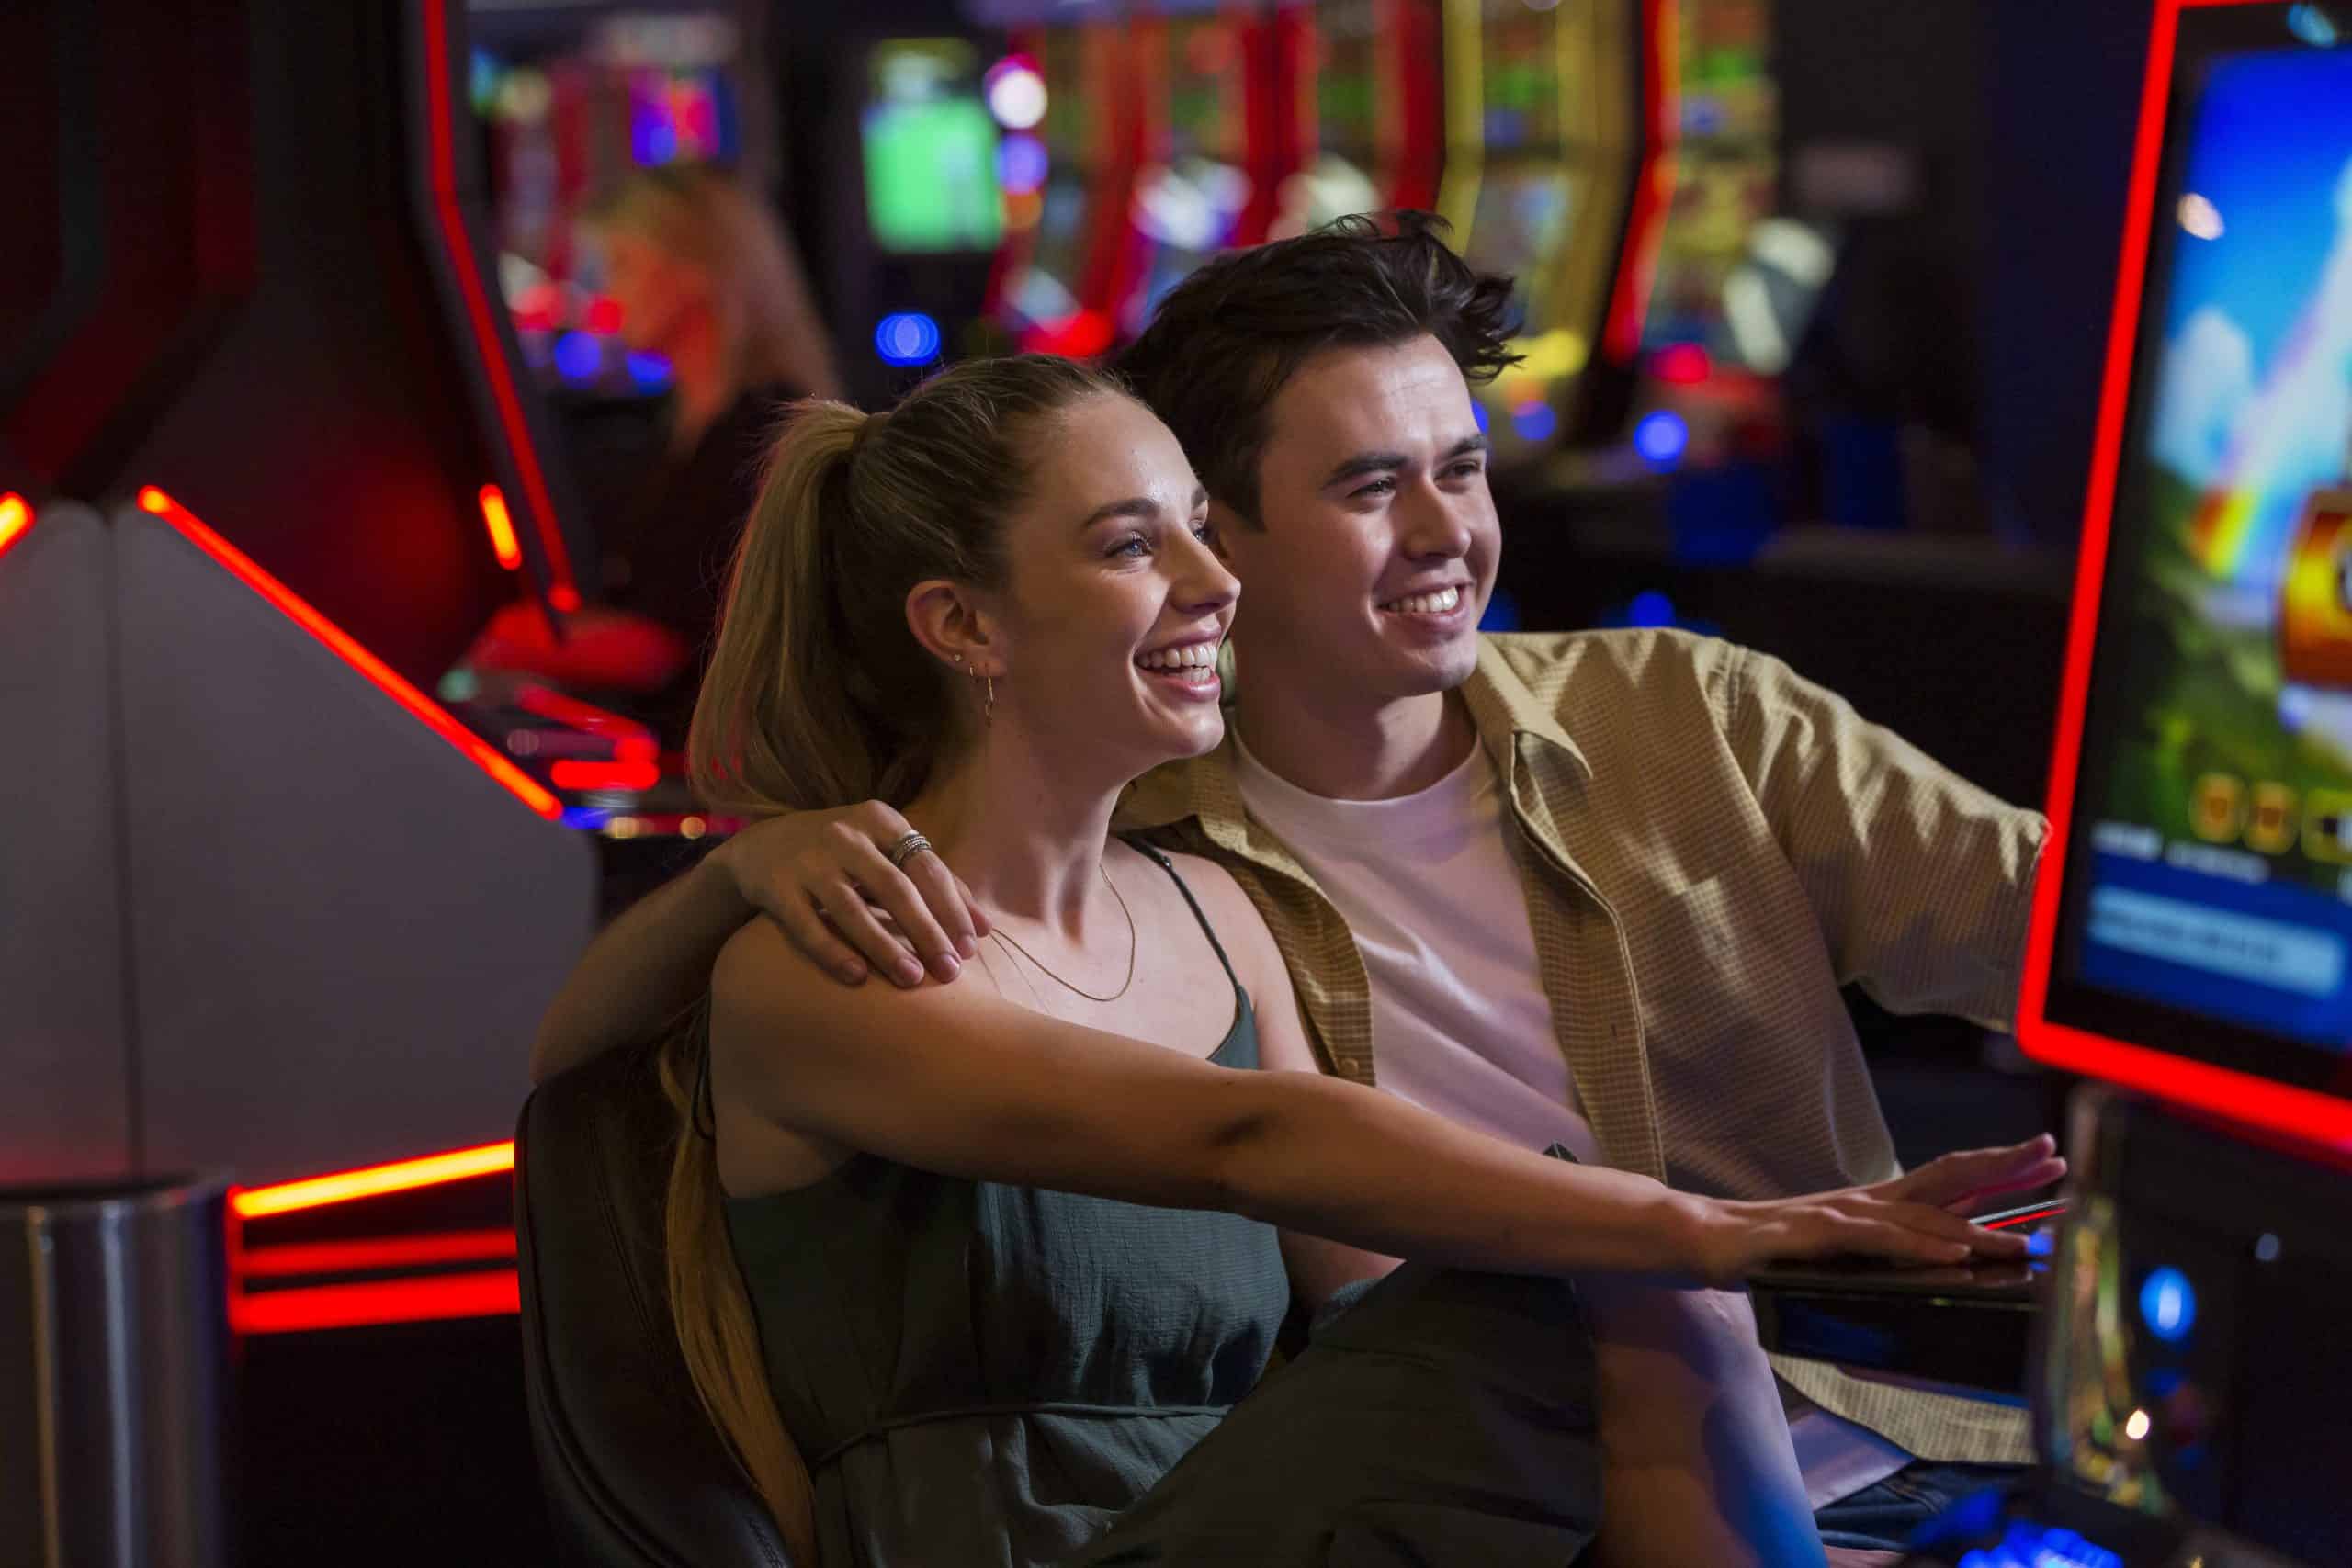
(826, 877)
(1911, 1219)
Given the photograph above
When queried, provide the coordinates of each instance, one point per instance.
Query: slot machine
(1552, 151)
(1068, 178)
(2193, 925)
(1370, 100)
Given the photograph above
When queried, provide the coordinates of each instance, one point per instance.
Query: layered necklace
(1006, 941)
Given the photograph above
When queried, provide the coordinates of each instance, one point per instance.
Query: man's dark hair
(1228, 338)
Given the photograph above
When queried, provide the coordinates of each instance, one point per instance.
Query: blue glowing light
(2313, 25)
(909, 337)
(2041, 1243)
(1021, 164)
(2167, 1304)
(2036, 1546)
(1661, 438)
(648, 372)
(1534, 421)
(1479, 412)
(1502, 613)
(1650, 609)
(578, 356)
(586, 819)
(651, 140)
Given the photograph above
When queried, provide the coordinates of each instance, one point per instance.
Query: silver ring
(906, 848)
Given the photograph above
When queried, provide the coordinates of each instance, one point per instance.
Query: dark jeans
(1884, 1516)
(1439, 1417)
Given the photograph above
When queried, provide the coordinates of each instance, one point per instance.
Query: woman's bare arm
(1318, 1267)
(955, 1080)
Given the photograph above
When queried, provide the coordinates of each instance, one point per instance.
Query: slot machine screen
(931, 149)
(2206, 910)
(1521, 216)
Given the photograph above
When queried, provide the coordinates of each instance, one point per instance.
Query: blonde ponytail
(776, 726)
(717, 1331)
(818, 695)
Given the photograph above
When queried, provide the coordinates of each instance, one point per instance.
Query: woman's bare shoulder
(1240, 929)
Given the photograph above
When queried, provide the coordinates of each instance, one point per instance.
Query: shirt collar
(1502, 708)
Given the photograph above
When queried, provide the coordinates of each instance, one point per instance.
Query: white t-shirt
(1459, 1025)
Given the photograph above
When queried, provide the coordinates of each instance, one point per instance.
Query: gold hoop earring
(987, 712)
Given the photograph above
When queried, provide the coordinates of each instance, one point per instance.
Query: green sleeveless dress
(1004, 1377)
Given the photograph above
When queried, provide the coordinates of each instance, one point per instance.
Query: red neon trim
(2032, 1217)
(345, 648)
(396, 1252)
(564, 708)
(563, 592)
(16, 519)
(1409, 37)
(372, 1181)
(630, 775)
(1629, 302)
(2236, 1096)
(501, 524)
(492, 1293)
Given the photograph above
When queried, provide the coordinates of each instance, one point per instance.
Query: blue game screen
(2218, 791)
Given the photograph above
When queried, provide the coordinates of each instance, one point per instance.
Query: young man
(1600, 889)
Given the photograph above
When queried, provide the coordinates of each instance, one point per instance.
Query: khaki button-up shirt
(1711, 847)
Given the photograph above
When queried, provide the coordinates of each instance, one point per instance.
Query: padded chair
(635, 1477)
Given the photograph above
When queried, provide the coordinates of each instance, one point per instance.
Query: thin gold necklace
(1003, 940)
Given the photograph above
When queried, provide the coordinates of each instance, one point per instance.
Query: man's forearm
(641, 970)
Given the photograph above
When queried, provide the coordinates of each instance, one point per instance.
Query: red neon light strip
(2032, 1217)
(370, 1181)
(501, 523)
(628, 775)
(565, 708)
(394, 1252)
(1629, 304)
(565, 593)
(632, 742)
(16, 519)
(492, 1293)
(345, 648)
(2237, 1096)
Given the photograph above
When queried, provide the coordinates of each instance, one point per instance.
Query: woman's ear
(949, 621)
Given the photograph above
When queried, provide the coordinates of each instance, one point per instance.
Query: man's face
(1379, 541)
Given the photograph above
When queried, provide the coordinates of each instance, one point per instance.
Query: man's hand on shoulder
(826, 877)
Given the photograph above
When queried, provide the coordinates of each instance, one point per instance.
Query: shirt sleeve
(1922, 881)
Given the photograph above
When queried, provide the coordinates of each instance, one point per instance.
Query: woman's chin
(1206, 731)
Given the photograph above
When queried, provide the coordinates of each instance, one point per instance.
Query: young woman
(984, 1272)
(706, 277)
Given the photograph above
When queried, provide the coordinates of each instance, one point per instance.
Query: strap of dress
(1206, 930)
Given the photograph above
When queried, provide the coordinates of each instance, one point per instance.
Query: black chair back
(635, 1474)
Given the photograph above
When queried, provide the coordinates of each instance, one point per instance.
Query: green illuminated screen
(930, 181)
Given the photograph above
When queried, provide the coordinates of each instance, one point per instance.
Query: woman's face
(1115, 607)
(656, 291)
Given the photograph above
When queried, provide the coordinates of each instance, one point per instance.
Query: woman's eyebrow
(1140, 507)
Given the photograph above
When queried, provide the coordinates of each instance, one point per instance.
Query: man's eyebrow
(1363, 463)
